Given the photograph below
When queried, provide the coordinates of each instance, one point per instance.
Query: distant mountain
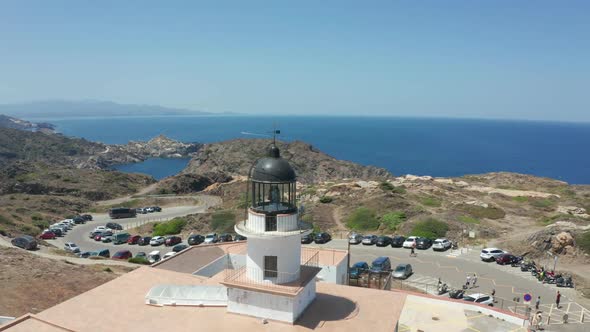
(58, 108)
(14, 123)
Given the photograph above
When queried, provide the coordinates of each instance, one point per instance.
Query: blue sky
(490, 59)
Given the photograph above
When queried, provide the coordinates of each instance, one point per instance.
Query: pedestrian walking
(473, 280)
(467, 281)
(494, 295)
(539, 320)
(412, 252)
(538, 302)
(557, 299)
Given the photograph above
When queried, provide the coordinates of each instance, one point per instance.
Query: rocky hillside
(235, 157)
(14, 123)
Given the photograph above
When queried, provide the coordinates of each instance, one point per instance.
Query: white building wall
(256, 222)
(263, 305)
(303, 299)
(287, 222)
(287, 250)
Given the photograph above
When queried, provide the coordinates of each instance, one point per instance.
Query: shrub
(480, 212)
(139, 260)
(430, 228)
(392, 220)
(28, 229)
(5, 221)
(170, 227)
(107, 269)
(41, 224)
(542, 203)
(36, 216)
(399, 190)
(362, 219)
(223, 221)
(386, 186)
(326, 199)
(583, 241)
(520, 199)
(431, 201)
(469, 220)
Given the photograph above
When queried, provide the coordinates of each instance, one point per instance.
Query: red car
(172, 240)
(134, 239)
(98, 238)
(505, 259)
(47, 236)
(123, 254)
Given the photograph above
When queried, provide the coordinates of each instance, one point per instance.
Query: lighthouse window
(270, 267)
(271, 224)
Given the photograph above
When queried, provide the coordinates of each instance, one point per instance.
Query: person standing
(467, 281)
(557, 299)
(413, 253)
(537, 302)
(473, 280)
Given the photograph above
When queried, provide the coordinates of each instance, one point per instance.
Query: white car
(154, 256)
(71, 247)
(169, 254)
(480, 298)
(441, 244)
(157, 240)
(211, 238)
(490, 254)
(409, 242)
(150, 210)
(101, 229)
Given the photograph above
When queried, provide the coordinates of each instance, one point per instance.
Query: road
(452, 268)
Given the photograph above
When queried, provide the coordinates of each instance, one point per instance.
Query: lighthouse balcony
(245, 229)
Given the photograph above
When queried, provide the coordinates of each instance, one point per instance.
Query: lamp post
(348, 259)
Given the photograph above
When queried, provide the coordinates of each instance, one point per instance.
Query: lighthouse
(276, 281)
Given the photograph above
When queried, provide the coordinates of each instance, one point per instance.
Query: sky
(478, 59)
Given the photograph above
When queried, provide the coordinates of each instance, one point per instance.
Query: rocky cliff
(14, 123)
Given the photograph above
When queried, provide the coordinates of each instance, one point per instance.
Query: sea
(419, 146)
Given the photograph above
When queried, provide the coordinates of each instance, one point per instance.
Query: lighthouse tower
(276, 281)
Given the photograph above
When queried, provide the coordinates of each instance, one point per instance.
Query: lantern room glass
(273, 197)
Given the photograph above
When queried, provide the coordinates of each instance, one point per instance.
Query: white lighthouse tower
(277, 281)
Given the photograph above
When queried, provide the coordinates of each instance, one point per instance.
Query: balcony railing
(303, 228)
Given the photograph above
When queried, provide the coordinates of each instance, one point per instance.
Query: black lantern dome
(272, 184)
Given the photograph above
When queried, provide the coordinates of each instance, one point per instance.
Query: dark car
(144, 241)
(383, 241)
(141, 254)
(56, 231)
(307, 239)
(322, 238)
(79, 220)
(48, 235)
(195, 239)
(114, 225)
(397, 241)
(123, 254)
(239, 237)
(423, 243)
(179, 247)
(156, 208)
(225, 238)
(357, 269)
(106, 253)
(25, 241)
(172, 240)
(85, 254)
(505, 259)
(87, 217)
(381, 264)
(133, 239)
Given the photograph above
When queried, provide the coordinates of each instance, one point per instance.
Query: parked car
(141, 254)
(87, 217)
(157, 241)
(56, 231)
(122, 212)
(114, 226)
(144, 241)
(369, 240)
(25, 241)
(154, 256)
(381, 264)
(133, 239)
(107, 239)
(383, 241)
(195, 239)
(62, 228)
(358, 269)
(141, 210)
(123, 254)
(172, 240)
(225, 238)
(355, 238)
(410, 241)
(149, 209)
(397, 241)
(120, 238)
(100, 228)
(71, 247)
(79, 220)
(480, 298)
(157, 208)
(169, 254)
(322, 238)
(47, 235)
(441, 245)
(402, 271)
(85, 254)
(308, 238)
(211, 238)
(505, 259)
(423, 243)
(239, 237)
(106, 253)
(179, 247)
(490, 254)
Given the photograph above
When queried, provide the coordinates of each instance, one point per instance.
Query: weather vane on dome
(275, 132)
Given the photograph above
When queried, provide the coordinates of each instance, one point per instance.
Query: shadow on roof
(326, 308)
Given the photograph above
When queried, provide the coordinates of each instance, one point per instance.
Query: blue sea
(420, 146)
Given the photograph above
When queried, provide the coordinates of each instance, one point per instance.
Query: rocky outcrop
(190, 183)
(161, 147)
(574, 211)
(235, 157)
(14, 123)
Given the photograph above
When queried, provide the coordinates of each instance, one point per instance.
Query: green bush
(36, 217)
(326, 199)
(362, 219)
(28, 229)
(170, 227)
(386, 186)
(392, 220)
(542, 203)
(583, 241)
(469, 220)
(520, 199)
(399, 190)
(223, 221)
(430, 228)
(139, 260)
(481, 212)
(4, 220)
(431, 201)
(41, 224)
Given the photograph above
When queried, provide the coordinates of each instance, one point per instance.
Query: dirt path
(337, 217)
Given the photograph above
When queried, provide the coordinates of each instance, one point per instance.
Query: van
(381, 264)
(122, 212)
(154, 257)
(120, 238)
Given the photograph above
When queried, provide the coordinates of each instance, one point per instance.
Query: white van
(154, 257)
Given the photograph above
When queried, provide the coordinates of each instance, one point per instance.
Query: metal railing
(302, 227)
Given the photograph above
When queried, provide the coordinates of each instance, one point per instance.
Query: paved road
(452, 267)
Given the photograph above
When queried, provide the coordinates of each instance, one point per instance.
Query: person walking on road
(557, 299)
(413, 252)
(467, 281)
(494, 295)
(538, 302)
(473, 280)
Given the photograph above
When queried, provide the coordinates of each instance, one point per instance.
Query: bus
(122, 212)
